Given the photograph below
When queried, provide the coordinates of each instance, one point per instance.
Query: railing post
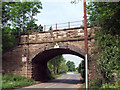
(33, 29)
(83, 22)
(44, 27)
(68, 24)
(56, 26)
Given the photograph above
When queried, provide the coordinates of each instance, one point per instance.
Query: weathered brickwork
(39, 48)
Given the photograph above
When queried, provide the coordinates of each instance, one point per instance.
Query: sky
(77, 60)
(61, 11)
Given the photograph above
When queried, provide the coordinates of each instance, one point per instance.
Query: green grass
(13, 81)
(76, 72)
(96, 83)
(0, 81)
(53, 76)
(108, 85)
(83, 86)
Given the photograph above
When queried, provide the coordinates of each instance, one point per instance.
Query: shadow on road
(67, 81)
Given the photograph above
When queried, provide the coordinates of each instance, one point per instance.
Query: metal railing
(66, 25)
(56, 26)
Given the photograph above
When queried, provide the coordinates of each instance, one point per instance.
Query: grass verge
(97, 83)
(0, 81)
(13, 81)
(54, 76)
(76, 73)
(83, 85)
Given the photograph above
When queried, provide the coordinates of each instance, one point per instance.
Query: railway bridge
(30, 57)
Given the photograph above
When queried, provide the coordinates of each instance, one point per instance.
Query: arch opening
(40, 71)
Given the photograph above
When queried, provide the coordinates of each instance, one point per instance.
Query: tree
(40, 28)
(7, 39)
(63, 67)
(57, 65)
(81, 68)
(76, 68)
(71, 66)
(20, 13)
(5, 10)
(107, 39)
(50, 28)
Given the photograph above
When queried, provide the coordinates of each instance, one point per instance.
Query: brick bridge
(39, 49)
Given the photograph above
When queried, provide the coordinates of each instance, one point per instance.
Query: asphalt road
(70, 80)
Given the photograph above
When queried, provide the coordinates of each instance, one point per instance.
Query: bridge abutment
(40, 71)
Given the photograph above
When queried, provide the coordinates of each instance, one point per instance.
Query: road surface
(70, 80)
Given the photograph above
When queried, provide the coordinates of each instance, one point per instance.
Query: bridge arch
(40, 70)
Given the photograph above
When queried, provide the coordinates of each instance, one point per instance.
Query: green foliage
(50, 28)
(1, 81)
(20, 14)
(63, 67)
(57, 65)
(12, 81)
(82, 86)
(109, 60)
(40, 28)
(76, 68)
(110, 86)
(8, 40)
(5, 15)
(107, 39)
(71, 66)
(101, 13)
(96, 83)
(81, 68)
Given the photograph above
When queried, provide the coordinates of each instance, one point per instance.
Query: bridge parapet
(56, 36)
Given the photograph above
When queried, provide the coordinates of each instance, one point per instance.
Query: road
(70, 80)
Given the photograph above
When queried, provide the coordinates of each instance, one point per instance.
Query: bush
(110, 86)
(13, 78)
(96, 83)
(8, 40)
(81, 68)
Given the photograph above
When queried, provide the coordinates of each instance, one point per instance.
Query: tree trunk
(54, 68)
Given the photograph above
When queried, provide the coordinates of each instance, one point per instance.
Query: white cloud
(77, 60)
